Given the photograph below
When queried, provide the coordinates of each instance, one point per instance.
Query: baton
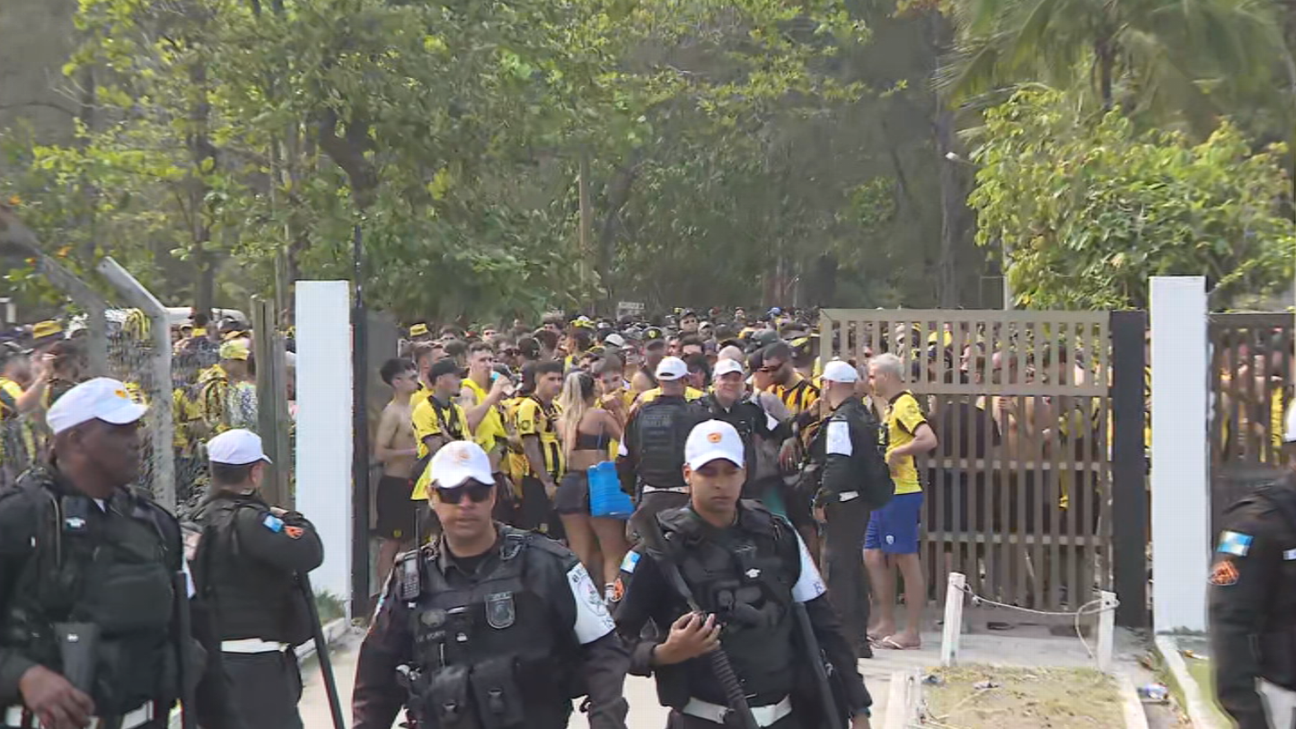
(321, 650)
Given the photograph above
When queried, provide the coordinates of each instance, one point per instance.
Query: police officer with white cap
(746, 570)
(89, 595)
(847, 477)
(652, 452)
(246, 568)
(1253, 602)
(488, 627)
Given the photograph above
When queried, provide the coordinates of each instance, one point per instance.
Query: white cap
(614, 340)
(102, 398)
(1290, 435)
(727, 367)
(458, 462)
(671, 368)
(713, 440)
(236, 447)
(839, 371)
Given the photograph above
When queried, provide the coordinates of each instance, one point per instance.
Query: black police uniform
(761, 432)
(246, 569)
(849, 477)
(67, 558)
(651, 464)
(1253, 603)
(503, 640)
(748, 576)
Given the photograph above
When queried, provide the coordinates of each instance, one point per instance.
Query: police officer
(745, 567)
(652, 454)
(848, 477)
(762, 433)
(246, 568)
(87, 606)
(488, 627)
(1253, 603)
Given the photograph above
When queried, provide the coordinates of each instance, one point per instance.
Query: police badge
(500, 613)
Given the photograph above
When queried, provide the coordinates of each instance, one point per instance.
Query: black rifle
(655, 541)
(321, 650)
(833, 718)
(184, 651)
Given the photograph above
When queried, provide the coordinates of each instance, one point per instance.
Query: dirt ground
(1021, 698)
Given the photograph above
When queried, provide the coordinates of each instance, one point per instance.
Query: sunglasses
(509, 352)
(476, 493)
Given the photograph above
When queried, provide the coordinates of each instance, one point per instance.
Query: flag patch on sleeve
(273, 523)
(630, 562)
(1235, 543)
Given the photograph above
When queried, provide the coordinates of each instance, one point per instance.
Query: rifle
(184, 651)
(832, 717)
(655, 541)
(321, 650)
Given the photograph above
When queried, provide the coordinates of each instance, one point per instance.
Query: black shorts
(534, 512)
(573, 494)
(395, 508)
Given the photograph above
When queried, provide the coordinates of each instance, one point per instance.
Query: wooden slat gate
(1019, 490)
(1250, 376)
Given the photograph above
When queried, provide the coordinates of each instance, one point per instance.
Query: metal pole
(272, 400)
(360, 433)
(1003, 268)
(163, 485)
(94, 305)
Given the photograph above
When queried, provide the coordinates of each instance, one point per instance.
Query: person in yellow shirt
(796, 392)
(892, 537)
(437, 420)
(17, 439)
(481, 397)
(536, 422)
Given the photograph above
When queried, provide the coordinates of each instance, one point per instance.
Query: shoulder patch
(1224, 573)
(273, 523)
(1289, 555)
(1235, 543)
(630, 562)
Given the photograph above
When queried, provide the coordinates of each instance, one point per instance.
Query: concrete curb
(903, 700)
(1131, 705)
(1195, 705)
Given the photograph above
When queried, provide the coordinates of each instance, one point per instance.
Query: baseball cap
(839, 371)
(688, 313)
(458, 462)
(102, 398)
(671, 368)
(615, 340)
(713, 440)
(234, 349)
(46, 329)
(727, 366)
(237, 447)
(654, 333)
(418, 330)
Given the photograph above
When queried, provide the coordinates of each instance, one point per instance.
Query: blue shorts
(894, 528)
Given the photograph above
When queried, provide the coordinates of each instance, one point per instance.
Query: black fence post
(1129, 468)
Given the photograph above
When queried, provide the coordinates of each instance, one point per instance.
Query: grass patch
(1022, 698)
(329, 606)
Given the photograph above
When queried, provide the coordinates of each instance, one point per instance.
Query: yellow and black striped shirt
(799, 395)
(535, 418)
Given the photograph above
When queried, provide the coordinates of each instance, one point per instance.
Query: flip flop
(890, 643)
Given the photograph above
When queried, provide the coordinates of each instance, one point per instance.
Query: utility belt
(252, 646)
(485, 695)
(765, 715)
(19, 717)
(646, 489)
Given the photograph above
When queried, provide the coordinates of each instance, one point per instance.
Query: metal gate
(1250, 372)
(1019, 489)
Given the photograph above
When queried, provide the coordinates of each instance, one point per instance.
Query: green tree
(1087, 212)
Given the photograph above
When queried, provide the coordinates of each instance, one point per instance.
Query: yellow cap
(418, 330)
(49, 328)
(235, 349)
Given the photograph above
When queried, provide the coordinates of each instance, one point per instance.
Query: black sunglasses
(476, 493)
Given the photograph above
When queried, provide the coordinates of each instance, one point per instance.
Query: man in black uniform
(87, 566)
(246, 567)
(762, 435)
(652, 453)
(1253, 603)
(848, 477)
(746, 568)
(488, 627)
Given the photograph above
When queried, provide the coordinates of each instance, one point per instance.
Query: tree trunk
(952, 194)
(1105, 53)
(201, 154)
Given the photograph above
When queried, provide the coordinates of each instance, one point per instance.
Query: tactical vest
(662, 427)
(113, 571)
(746, 579)
(486, 651)
(251, 598)
(870, 471)
(1277, 642)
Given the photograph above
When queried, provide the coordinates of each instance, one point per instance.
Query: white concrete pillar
(1181, 539)
(323, 444)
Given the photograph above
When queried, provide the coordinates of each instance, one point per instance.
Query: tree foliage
(1088, 211)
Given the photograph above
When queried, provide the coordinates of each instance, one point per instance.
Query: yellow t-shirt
(13, 390)
(490, 431)
(429, 420)
(533, 418)
(903, 417)
(799, 396)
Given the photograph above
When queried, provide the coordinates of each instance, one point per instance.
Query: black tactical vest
(745, 576)
(1277, 641)
(251, 598)
(113, 570)
(870, 472)
(662, 427)
(488, 646)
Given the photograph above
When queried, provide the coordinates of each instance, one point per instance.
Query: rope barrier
(1085, 609)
